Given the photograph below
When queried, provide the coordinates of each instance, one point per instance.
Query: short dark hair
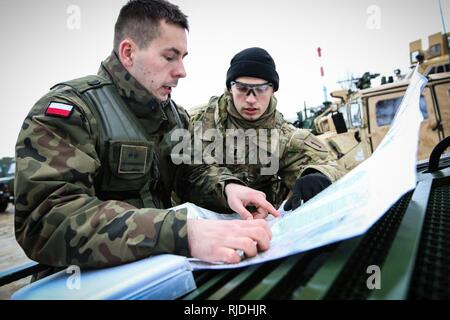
(139, 20)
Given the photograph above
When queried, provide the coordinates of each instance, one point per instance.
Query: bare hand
(241, 196)
(218, 240)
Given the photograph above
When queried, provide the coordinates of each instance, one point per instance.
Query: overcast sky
(48, 41)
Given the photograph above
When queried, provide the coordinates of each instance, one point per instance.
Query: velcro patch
(314, 143)
(133, 159)
(59, 109)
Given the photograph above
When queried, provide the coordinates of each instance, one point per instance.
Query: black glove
(305, 188)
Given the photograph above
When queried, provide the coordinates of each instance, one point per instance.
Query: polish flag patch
(59, 109)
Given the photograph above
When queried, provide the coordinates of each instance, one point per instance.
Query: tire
(3, 205)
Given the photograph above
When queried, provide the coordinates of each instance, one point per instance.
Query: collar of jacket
(130, 89)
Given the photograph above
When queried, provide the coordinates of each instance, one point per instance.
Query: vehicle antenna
(442, 17)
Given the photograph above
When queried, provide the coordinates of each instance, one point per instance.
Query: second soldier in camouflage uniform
(249, 103)
(93, 168)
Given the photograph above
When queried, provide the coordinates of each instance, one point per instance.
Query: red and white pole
(322, 74)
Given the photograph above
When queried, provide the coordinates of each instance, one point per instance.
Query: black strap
(435, 156)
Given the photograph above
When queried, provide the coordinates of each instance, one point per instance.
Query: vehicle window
(414, 56)
(12, 168)
(355, 113)
(386, 110)
(435, 51)
(342, 110)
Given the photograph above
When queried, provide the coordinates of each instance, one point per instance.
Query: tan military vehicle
(356, 122)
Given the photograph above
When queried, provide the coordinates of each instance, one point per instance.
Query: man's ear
(127, 51)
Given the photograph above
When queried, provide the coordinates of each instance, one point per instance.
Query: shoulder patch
(314, 143)
(302, 137)
(59, 109)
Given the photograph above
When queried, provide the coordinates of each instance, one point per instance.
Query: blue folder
(160, 277)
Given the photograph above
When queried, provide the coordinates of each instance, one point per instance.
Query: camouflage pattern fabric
(60, 219)
(300, 152)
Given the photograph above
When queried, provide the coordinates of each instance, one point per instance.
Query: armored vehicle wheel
(3, 205)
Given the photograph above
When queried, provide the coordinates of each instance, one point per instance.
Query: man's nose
(180, 71)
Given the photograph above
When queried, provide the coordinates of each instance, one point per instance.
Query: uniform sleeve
(305, 153)
(203, 184)
(59, 221)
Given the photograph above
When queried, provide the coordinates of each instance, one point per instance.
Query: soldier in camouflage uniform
(305, 164)
(93, 169)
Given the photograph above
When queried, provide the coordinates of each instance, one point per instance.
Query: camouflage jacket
(62, 218)
(299, 151)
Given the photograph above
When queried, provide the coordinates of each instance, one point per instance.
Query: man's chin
(252, 118)
(162, 98)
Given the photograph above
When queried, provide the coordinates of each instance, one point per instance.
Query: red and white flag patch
(59, 109)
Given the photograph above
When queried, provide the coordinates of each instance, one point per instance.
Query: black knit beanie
(253, 62)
